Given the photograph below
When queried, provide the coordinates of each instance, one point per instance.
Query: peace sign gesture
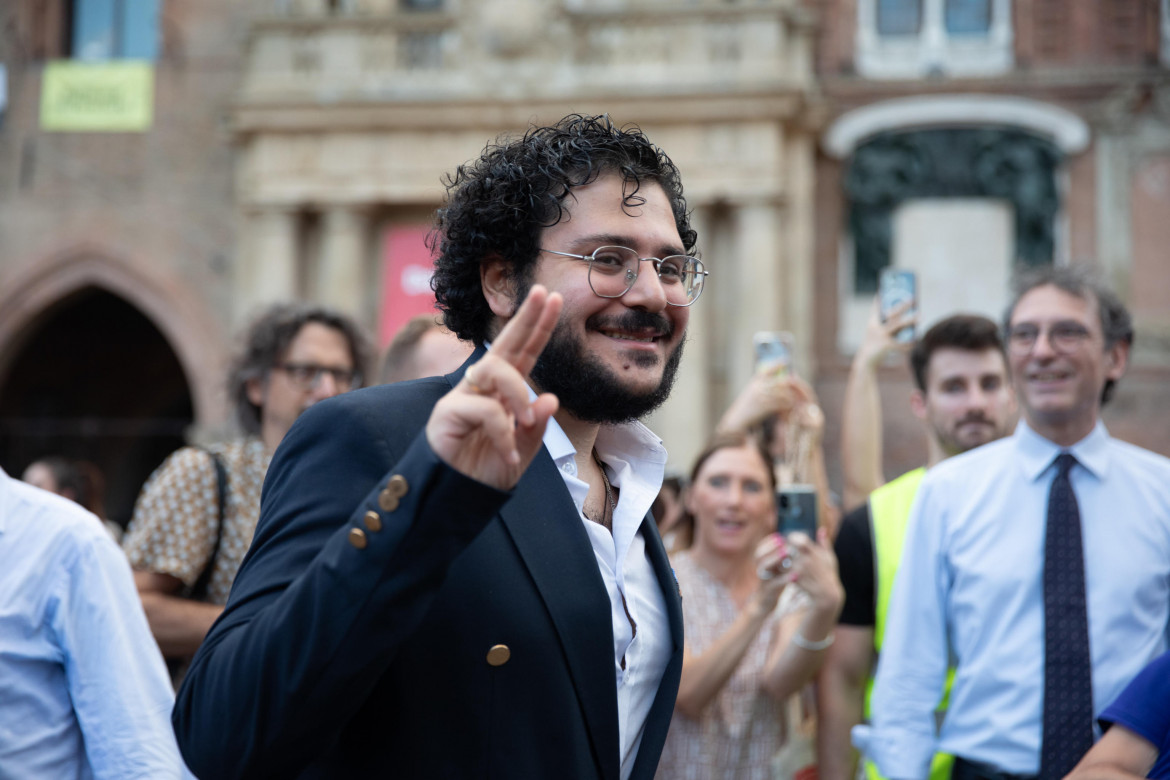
(486, 428)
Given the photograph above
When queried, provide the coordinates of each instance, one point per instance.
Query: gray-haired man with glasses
(459, 576)
(183, 541)
(1039, 563)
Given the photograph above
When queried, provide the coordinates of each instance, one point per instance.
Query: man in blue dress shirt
(84, 692)
(971, 587)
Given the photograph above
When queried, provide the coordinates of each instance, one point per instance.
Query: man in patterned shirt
(294, 356)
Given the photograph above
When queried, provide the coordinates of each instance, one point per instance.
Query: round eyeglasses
(1064, 337)
(306, 376)
(614, 269)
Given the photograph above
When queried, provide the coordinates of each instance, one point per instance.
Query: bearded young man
(458, 576)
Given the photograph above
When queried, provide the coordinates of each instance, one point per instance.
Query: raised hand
(815, 568)
(774, 567)
(486, 428)
(881, 337)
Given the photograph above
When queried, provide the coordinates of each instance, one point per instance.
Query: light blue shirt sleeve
(84, 692)
(115, 675)
(913, 664)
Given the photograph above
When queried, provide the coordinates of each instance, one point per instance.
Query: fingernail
(528, 417)
(514, 457)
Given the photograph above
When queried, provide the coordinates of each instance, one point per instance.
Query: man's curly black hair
(498, 205)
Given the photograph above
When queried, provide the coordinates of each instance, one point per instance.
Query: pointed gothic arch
(98, 361)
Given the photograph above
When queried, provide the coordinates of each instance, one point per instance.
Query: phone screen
(896, 286)
(773, 350)
(796, 510)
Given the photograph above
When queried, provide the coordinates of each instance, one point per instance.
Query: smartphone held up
(773, 349)
(897, 287)
(796, 510)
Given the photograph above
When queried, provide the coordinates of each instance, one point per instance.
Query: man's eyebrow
(612, 239)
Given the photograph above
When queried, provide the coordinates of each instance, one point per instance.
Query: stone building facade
(297, 144)
(297, 150)
(964, 137)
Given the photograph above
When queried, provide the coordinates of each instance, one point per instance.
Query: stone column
(267, 271)
(797, 311)
(339, 277)
(758, 281)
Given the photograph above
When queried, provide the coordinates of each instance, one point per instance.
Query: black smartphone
(796, 510)
(896, 286)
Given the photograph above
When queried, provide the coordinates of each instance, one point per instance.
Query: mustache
(975, 417)
(633, 320)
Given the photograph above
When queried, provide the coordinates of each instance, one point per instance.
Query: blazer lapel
(547, 530)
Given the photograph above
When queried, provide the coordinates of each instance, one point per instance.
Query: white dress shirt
(636, 462)
(84, 692)
(970, 588)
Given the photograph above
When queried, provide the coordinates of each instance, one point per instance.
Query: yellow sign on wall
(97, 97)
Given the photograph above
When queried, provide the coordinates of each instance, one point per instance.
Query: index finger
(524, 337)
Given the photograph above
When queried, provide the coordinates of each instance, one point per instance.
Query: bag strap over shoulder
(199, 590)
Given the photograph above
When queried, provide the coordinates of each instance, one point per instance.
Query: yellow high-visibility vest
(889, 513)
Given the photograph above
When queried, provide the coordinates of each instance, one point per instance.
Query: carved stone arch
(198, 341)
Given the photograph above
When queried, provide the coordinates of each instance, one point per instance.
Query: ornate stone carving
(971, 162)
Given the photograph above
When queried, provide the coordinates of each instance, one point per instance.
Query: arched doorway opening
(95, 380)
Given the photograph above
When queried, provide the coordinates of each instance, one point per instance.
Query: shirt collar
(1037, 453)
(618, 445)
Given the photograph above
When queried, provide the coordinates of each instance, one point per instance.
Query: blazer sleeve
(337, 578)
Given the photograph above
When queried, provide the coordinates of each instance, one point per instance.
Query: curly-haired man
(459, 576)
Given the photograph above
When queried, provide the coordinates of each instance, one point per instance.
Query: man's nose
(1043, 348)
(647, 291)
(979, 398)
(326, 386)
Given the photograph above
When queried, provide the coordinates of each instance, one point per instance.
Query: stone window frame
(1069, 133)
(933, 51)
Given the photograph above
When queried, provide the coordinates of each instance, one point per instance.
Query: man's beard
(953, 444)
(587, 388)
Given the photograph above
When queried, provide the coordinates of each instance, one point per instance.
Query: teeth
(627, 337)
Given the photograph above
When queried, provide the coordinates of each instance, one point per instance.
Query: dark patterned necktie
(1068, 684)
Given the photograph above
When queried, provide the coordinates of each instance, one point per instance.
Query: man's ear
(499, 288)
(254, 388)
(1116, 360)
(918, 403)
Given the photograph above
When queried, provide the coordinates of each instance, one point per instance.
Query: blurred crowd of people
(1001, 613)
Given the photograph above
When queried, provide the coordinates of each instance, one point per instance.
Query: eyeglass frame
(337, 374)
(700, 270)
(1064, 337)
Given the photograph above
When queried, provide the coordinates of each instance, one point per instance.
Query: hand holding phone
(898, 287)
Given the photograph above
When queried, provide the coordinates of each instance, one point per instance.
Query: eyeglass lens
(308, 375)
(614, 269)
(1063, 336)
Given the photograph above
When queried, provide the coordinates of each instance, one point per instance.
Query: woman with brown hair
(758, 614)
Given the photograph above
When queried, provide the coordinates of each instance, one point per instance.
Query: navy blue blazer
(355, 642)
